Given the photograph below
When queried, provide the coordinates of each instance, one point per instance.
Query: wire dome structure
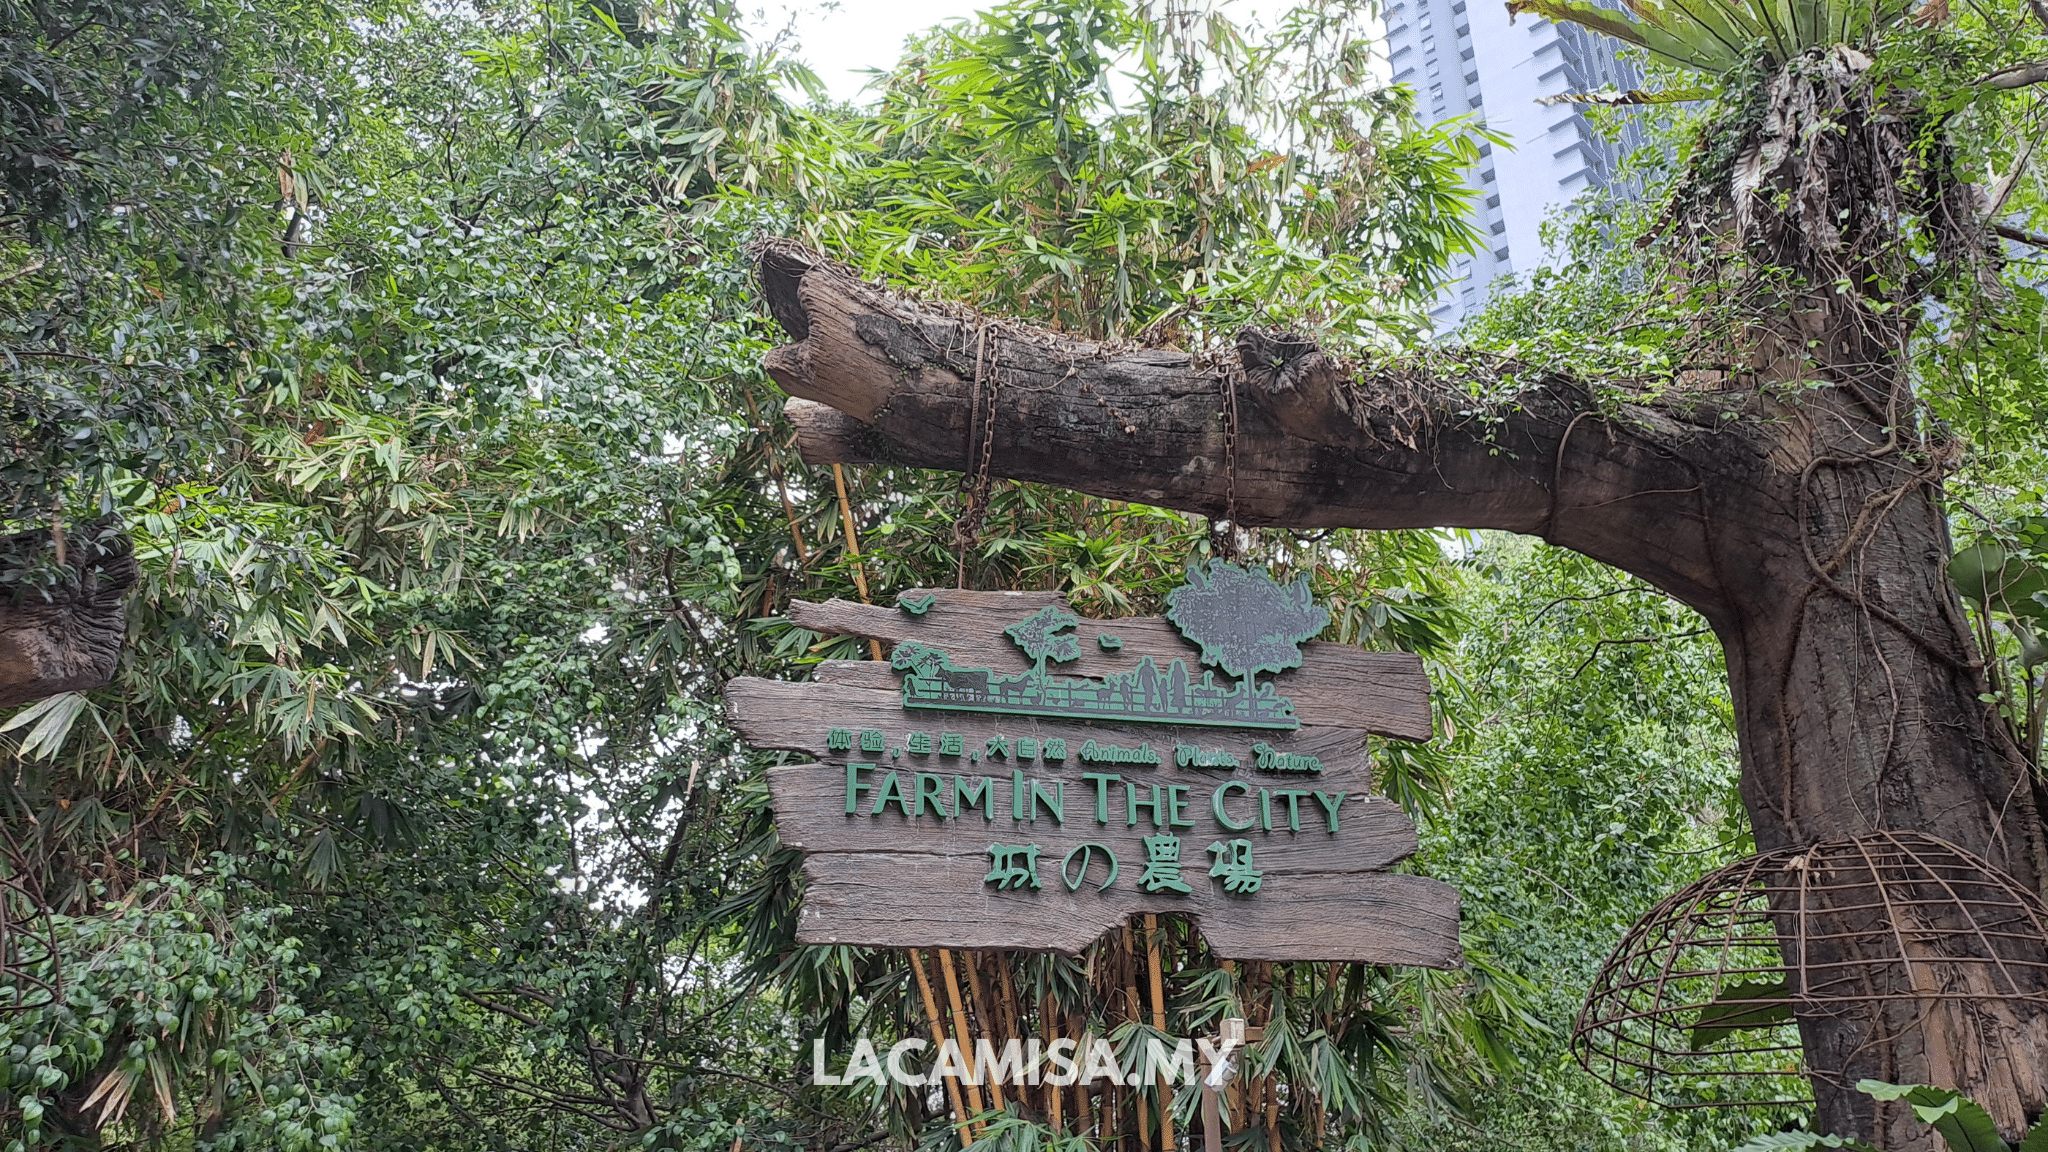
(24, 952)
(1697, 1007)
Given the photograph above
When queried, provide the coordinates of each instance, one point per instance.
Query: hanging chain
(967, 529)
(1224, 541)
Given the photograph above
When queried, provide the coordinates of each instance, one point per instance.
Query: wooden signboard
(1018, 777)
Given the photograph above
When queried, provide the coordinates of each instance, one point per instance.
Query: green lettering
(1331, 802)
(891, 792)
(1056, 803)
(1265, 810)
(854, 786)
(1216, 805)
(1016, 795)
(979, 796)
(1102, 781)
(1132, 804)
(1293, 797)
(932, 788)
(1177, 806)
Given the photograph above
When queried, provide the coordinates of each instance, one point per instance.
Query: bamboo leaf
(52, 717)
(1699, 50)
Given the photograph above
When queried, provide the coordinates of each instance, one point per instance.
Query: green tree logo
(1039, 635)
(1245, 621)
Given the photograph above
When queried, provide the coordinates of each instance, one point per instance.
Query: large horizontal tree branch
(2018, 75)
(880, 379)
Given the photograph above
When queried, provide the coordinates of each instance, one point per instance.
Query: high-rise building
(1468, 59)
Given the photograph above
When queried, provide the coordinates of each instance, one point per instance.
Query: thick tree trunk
(67, 638)
(1811, 543)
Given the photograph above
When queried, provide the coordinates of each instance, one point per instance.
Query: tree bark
(1808, 536)
(66, 638)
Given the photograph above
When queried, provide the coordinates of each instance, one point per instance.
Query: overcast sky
(853, 35)
(839, 40)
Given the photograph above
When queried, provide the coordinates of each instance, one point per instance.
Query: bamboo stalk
(1010, 1006)
(1136, 1008)
(931, 1013)
(1272, 1111)
(984, 1018)
(1115, 1118)
(1166, 1138)
(1048, 1016)
(860, 575)
(1082, 1105)
(1272, 1078)
(1235, 1092)
(967, 1089)
(1009, 1011)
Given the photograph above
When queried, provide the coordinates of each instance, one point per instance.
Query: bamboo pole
(1048, 1018)
(1272, 1112)
(1272, 1078)
(1235, 1092)
(860, 575)
(967, 1089)
(1166, 1138)
(931, 1013)
(1084, 1115)
(985, 1018)
(1136, 1008)
(1009, 1020)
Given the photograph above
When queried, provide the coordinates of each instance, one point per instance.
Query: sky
(841, 38)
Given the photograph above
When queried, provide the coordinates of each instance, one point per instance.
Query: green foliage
(2010, 582)
(183, 994)
(1247, 179)
(1719, 37)
(2004, 579)
(1593, 767)
(1963, 1125)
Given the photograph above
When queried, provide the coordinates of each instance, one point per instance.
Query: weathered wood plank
(1385, 693)
(910, 900)
(810, 813)
(873, 674)
(795, 717)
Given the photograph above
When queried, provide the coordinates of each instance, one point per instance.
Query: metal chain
(967, 529)
(1225, 542)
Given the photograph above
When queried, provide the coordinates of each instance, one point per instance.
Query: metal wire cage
(25, 952)
(1696, 1008)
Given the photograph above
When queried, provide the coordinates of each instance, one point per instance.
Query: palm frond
(1699, 51)
(1716, 36)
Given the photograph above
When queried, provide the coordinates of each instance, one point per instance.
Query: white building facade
(1467, 59)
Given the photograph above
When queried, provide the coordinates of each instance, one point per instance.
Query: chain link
(1224, 542)
(967, 529)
